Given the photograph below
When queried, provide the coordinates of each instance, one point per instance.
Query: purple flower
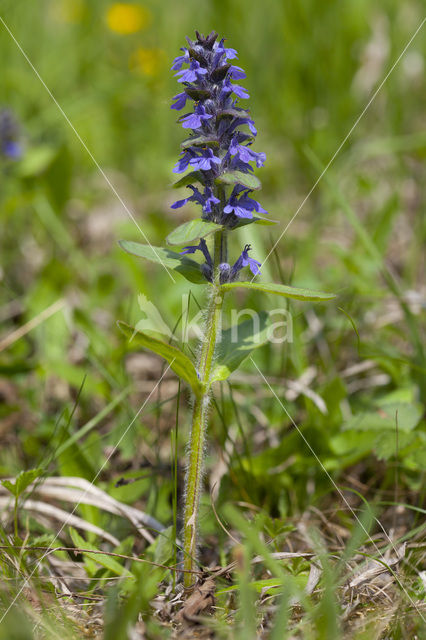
(224, 272)
(245, 153)
(206, 199)
(205, 161)
(237, 73)
(240, 91)
(196, 197)
(183, 162)
(245, 261)
(228, 88)
(242, 206)
(9, 133)
(220, 51)
(248, 121)
(202, 246)
(210, 199)
(12, 150)
(192, 74)
(210, 82)
(235, 164)
(230, 54)
(181, 99)
(194, 120)
(180, 60)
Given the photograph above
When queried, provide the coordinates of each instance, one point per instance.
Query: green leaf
(179, 362)
(167, 258)
(108, 562)
(238, 342)
(238, 177)
(22, 481)
(36, 160)
(242, 222)
(386, 417)
(280, 290)
(387, 445)
(271, 586)
(58, 178)
(352, 443)
(189, 178)
(191, 231)
(199, 228)
(199, 141)
(163, 546)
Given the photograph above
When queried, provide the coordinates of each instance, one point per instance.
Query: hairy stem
(193, 480)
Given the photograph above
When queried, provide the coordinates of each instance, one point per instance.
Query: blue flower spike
(221, 135)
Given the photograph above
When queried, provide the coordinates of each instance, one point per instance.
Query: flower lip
(191, 75)
(180, 60)
(181, 99)
(194, 120)
(205, 161)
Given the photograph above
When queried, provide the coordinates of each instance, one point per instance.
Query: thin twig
(31, 324)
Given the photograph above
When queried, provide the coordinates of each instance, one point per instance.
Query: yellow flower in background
(150, 62)
(125, 18)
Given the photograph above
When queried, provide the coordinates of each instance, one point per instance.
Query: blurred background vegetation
(354, 376)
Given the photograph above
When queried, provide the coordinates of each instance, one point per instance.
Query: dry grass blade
(377, 568)
(49, 512)
(313, 579)
(279, 555)
(81, 491)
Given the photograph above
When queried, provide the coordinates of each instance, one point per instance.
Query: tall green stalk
(194, 474)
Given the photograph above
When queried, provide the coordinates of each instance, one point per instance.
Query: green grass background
(311, 70)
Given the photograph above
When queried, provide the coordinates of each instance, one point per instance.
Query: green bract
(188, 268)
(236, 177)
(192, 231)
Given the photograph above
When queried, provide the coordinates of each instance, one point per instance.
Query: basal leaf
(191, 231)
(280, 290)
(179, 361)
(182, 264)
(238, 342)
(238, 177)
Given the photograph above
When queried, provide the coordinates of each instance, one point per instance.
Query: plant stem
(194, 472)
